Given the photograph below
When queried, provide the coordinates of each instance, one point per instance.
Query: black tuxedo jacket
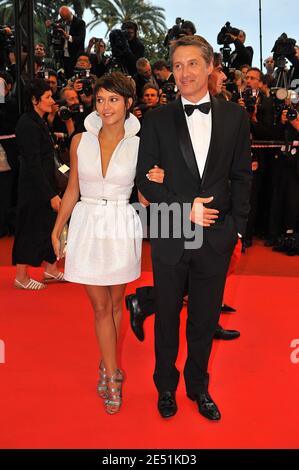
(165, 141)
(77, 31)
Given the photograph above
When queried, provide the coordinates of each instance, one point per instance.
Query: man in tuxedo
(203, 145)
(74, 35)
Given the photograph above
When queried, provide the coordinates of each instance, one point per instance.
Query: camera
(43, 73)
(283, 48)
(119, 42)
(84, 77)
(224, 36)
(67, 112)
(169, 90)
(175, 32)
(250, 96)
(56, 37)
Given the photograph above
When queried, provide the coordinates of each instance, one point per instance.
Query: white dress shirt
(200, 129)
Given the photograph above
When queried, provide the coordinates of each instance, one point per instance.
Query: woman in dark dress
(38, 201)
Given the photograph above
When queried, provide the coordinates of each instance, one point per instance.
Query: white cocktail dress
(105, 232)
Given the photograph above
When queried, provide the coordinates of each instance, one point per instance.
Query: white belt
(104, 201)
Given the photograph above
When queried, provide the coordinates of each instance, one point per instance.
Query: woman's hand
(55, 203)
(156, 175)
(56, 245)
(144, 202)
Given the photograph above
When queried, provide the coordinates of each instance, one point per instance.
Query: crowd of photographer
(270, 101)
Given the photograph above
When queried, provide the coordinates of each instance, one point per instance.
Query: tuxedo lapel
(184, 139)
(213, 149)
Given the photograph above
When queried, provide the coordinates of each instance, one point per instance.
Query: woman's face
(111, 107)
(44, 105)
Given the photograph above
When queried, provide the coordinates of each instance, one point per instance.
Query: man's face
(216, 80)
(52, 81)
(83, 62)
(241, 37)
(269, 63)
(150, 97)
(130, 33)
(162, 75)
(70, 97)
(39, 51)
(191, 72)
(145, 71)
(253, 79)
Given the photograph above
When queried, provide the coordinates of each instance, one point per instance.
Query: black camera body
(283, 48)
(56, 37)
(169, 89)
(67, 112)
(225, 32)
(119, 42)
(250, 96)
(83, 76)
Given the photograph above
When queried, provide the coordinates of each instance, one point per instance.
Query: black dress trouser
(205, 271)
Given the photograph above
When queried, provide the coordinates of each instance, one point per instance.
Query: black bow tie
(203, 107)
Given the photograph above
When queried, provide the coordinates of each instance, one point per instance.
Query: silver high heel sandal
(102, 384)
(114, 385)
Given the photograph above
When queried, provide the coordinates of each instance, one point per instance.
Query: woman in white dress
(105, 234)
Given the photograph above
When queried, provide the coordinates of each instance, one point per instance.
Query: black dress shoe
(206, 406)
(221, 333)
(227, 309)
(167, 404)
(136, 316)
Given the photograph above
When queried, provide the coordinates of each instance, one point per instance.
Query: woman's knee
(103, 310)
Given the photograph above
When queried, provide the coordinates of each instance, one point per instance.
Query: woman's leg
(105, 328)
(22, 273)
(117, 297)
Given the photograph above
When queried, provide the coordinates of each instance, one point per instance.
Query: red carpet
(48, 383)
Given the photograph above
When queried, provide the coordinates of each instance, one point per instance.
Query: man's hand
(78, 85)
(241, 102)
(201, 215)
(55, 203)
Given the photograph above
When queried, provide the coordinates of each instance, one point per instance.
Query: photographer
(97, 58)
(259, 106)
(135, 45)
(63, 116)
(162, 71)
(144, 75)
(150, 100)
(73, 32)
(242, 54)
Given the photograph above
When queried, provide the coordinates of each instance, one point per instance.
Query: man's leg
(169, 282)
(206, 286)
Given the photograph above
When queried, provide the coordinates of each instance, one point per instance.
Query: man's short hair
(217, 59)
(142, 62)
(67, 88)
(161, 64)
(255, 69)
(6, 77)
(198, 41)
(148, 86)
(83, 54)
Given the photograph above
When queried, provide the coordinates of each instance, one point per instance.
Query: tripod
(282, 80)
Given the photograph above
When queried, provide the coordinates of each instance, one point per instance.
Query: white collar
(205, 99)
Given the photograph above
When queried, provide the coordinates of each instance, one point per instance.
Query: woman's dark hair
(118, 83)
(36, 88)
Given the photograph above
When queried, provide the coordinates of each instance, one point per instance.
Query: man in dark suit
(203, 145)
(74, 34)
